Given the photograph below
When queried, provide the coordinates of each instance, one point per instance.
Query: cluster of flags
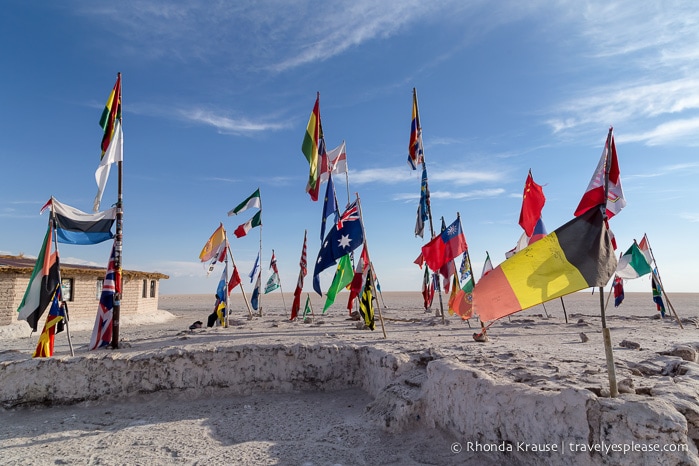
(70, 225)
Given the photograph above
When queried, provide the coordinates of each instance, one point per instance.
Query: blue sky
(217, 96)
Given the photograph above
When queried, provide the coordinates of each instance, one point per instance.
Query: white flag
(115, 153)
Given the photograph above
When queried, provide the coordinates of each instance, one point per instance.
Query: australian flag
(343, 238)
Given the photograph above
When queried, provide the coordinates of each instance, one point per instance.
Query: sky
(217, 97)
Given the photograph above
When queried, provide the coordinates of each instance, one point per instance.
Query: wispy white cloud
(225, 124)
(692, 217)
(649, 63)
(395, 175)
(469, 195)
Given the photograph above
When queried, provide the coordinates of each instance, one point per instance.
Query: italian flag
(243, 229)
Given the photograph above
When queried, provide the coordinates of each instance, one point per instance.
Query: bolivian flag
(576, 256)
(310, 150)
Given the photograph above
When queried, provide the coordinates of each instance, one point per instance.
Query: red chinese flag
(532, 203)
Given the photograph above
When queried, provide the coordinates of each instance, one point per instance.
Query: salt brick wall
(85, 301)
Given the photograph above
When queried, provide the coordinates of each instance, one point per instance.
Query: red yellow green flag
(310, 150)
(110, 114)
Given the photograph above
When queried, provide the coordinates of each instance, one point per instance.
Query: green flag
(343, 277)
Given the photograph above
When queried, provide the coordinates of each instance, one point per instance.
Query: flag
(618, 287)
(272, 283)
(463, 300)
(644, 246)
(532, 203)
(212, 248)
(42, 284)
(255, 299)
(487, 265)
(575, 256)
(74, 226)
(422, 208)
(657, 294)
(254, 268)
(114, 154)
(243, 229)
(335, 163)
(273, 263)
(253, 201)
(445, 247)
(307, 307)
(415, 152)
(465, 267)
(329, 206)
(219, 256)
(594, 194)
(343, 277)
(310, 149)
(111, 115)
(358, 280)
(52, 326)
(524, 240)
(452, 295)
(222, 297)
(341, 240)
(632, 263)
(428, 288)
(295, 306)
(235, 279)
(351, 213)
(102, 331)
(366, 304)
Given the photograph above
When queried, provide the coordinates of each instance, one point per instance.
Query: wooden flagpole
(429, 204)
(280, 284)
(54, 238)
(656, 272)
(611, 371)
(118, 241)
(371, 265)
(242, 290)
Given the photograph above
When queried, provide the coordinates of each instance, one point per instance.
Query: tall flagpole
(656, 272)
(429, 204)
(54, 239)
(260, 293)
(371, 265)
(242, 290)
(118, 241)
(613, 390)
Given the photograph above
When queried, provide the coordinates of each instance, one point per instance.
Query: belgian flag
(575, 256)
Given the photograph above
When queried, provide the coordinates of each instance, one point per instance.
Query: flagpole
(429, 204)
(660, 282)
(242, 290)
(371, 265)
(54, 238)
(118, 242)
(280, 285)
(260, 293)
(611, 371)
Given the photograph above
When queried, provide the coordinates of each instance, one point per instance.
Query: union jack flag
(102, 332)
(350, 214)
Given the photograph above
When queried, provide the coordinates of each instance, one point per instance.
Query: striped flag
(53, 325)
(74, 226)
(415, 151)
(310, 149)
(243, 229)
(366, 303)
(42, 284)
(102, 331)
(111, 114)
(296, 305)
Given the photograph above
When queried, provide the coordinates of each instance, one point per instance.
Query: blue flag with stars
(340, 241)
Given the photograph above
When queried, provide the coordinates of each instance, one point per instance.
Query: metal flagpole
(613, 390)
(429, 204)
(260, 293)
(118, 240)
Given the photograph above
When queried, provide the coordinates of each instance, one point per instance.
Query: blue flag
(329, 206)
(343, 238)
(254, 268)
